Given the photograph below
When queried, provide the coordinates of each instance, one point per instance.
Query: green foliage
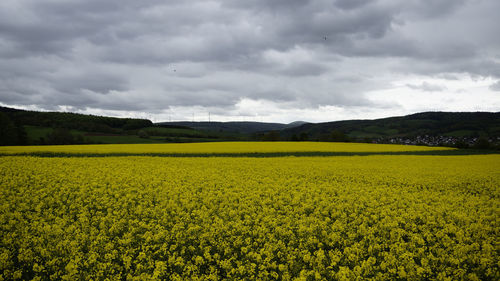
(338, 136)
(271, 136)
(61, 136)
(143, 134)
(181, 132)
(88, 123)
(133, 124)
(482, 143)
(10, 133)
(304, 136)
(122, 139)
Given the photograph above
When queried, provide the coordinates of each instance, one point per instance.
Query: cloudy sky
(261, 60)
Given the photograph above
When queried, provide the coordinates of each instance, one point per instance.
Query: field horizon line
(455, 152)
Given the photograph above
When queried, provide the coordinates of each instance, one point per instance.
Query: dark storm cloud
(140, 55)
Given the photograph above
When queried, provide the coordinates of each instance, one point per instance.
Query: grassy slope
(231, 127)
(156, 135)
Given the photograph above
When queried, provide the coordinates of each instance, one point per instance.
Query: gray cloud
(495, 86)
(426, 87)
(152, 55)
(97, 83)
(351, 4)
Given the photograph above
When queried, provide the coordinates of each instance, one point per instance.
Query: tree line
(12, 122)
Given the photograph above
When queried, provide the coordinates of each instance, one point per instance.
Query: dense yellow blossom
(217, 148)
(287, 218)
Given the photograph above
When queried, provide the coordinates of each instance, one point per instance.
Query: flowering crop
(286, 218)
(216, 148)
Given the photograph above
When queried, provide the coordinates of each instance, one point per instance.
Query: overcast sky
(261, 60)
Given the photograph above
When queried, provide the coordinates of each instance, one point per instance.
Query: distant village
(461, 142)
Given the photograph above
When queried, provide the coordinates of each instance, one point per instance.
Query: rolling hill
(446, 124)
(21, 127)
(234, 127)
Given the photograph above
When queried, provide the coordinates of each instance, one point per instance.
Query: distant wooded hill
(75, 121)
(234, 127)
(20, 127)
(451, 124)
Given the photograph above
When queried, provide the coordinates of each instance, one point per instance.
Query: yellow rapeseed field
(378, 217)
(216, 148)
